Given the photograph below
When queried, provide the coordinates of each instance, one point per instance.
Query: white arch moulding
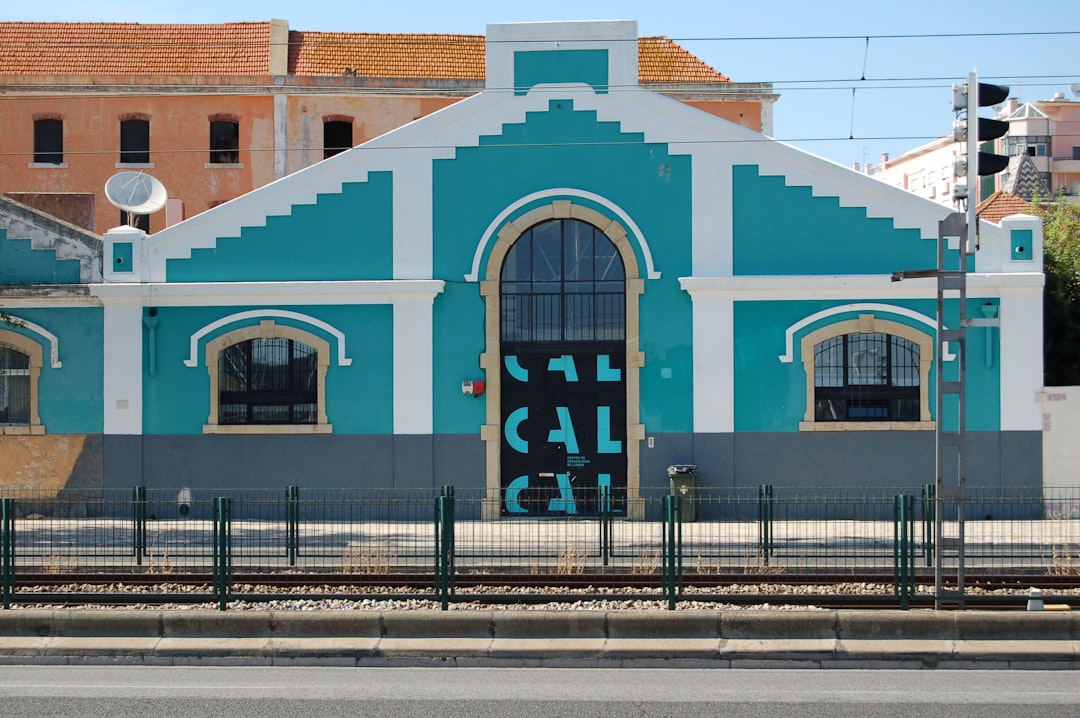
(342, 360)
(54, 341)
(562, 193)
(789, 334)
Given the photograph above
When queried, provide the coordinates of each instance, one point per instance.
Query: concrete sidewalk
(713, 639)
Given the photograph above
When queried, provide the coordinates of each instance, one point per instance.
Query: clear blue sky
(815, 78)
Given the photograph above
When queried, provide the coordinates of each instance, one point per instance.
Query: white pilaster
(1021, 342)
(123, 365)
(714, 362)
(413, 352)
(413, 217)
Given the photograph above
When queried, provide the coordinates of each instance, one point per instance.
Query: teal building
(562, 284)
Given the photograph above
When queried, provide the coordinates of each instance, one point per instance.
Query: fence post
(444, 546)
(929, 508)
(138, 516)
(765, 522)
(672, 549)
(7, 549)
(605, 523)
(223, 550)
(292, 523)
(903, 549)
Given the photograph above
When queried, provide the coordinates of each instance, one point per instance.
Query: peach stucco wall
(180, 132)
(179, 148)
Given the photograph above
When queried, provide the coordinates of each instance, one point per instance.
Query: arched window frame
(868, 324)
(491, 432)
(33, 351)
(266, 329)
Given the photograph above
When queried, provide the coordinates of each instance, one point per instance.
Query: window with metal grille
(269, 381)
(135, 141)
(14, 386)
(563, 281)
(49, 141)
(866, 377)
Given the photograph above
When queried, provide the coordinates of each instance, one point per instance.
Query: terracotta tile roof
(366, 54)
(1003, 204)
(433, 56)
(243, 48)
(128, 48)
(662, 60)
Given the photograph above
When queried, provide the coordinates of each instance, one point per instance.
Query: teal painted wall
(21, 264)
(458, 342)
(359, 397)
(560, 66)
(340, 237)
(771, 395)
(565, 148)
(69, 398)
(779, 229)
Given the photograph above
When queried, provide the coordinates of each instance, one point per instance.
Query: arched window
(867, 373)
(267, 379)
(14, 386)
(20, 368)
(563, 281)
(866, 377)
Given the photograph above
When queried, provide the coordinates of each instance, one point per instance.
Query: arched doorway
(628, 430)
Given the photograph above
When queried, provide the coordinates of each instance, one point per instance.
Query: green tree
(1061, 297)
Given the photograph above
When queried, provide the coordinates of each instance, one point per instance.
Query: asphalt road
(143, 691)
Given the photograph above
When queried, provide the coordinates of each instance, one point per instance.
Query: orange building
(215, 111)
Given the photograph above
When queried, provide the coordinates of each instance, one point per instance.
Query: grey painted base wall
(731, 467)
(314, 461)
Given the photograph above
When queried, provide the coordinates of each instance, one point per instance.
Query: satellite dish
(136, 192)
(1075, 89)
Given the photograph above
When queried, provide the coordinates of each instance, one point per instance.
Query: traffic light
(968, 97)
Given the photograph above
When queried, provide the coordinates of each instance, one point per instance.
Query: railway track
(849, 591)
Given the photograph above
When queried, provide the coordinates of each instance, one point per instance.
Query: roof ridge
(243, 48)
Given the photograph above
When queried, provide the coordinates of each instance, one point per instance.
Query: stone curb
(981, 639)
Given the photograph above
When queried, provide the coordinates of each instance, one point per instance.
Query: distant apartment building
(1043, 144)
(215, 111)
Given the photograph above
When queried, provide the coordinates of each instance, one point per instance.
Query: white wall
(1061, 450)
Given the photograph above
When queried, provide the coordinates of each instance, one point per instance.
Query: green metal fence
(450, 544)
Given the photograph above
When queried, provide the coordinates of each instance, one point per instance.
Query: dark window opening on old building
(139, 221)
(337, 137)
(49, 142)
(135, 141)
(224, 142)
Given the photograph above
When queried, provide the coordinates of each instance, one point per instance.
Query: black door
(563, 401)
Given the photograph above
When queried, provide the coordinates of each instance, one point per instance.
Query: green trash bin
(683, 480)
